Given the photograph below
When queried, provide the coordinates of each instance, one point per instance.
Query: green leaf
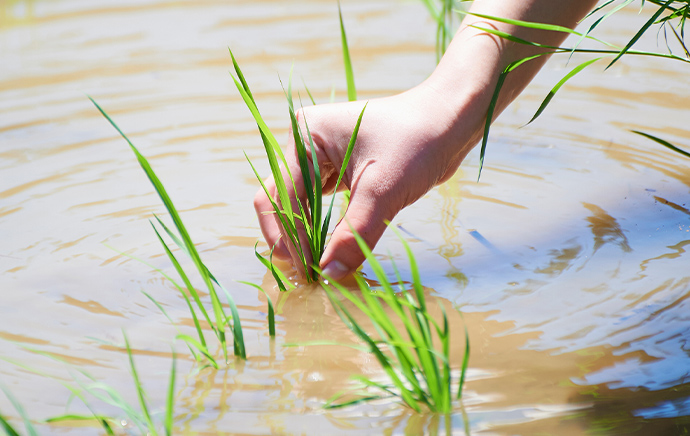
(663, 142)
(533, 25)
(162, 309)
(170, 399)
(140, 389)
(560, 83)
(349, 74)
(202, 349)
(492, 106)
(343, 168)
(190, 288)
(20, 409)
(311, 97)
(639, 33)
(8, 427)
(179, 225)
(271, 312)
(465, 362)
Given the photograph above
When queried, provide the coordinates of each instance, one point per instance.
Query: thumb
(365, 216)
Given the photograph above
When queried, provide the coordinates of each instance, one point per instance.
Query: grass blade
(639, 33)
(311, 97)
(492, 107)
(140, 388)
(349, 74)
(162, 309)
(663, 142)
(558, 86)
(288, 226)
(102, 420)
(299, 146)
(343, 168)
(20, 409)
(278, 275)
(8, 427)
(465, 363)
(271, 312)
(179, 225)
(238, 71)
(319, 236)
(170, 399)
(238, 337)
(539, 26)
(273, 152)
(202, 349)
(192, 291)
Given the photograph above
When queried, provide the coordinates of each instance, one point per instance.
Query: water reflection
(605, 229)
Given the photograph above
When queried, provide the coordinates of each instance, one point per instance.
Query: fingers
(366, 216)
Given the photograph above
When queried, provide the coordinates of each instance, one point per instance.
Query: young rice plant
(182, 239)
(305, 217)
(418, 370)
(141, 416)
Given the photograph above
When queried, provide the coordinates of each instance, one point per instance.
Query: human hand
(407, 144)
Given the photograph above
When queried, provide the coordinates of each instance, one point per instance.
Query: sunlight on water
(568, 259)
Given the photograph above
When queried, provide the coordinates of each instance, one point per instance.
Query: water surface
(568, 259)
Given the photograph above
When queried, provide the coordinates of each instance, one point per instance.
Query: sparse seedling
(85, 384)
(184, 242)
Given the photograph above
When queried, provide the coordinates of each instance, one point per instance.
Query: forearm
(465, 78)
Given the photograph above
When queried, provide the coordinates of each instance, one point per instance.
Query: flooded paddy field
(568, 259)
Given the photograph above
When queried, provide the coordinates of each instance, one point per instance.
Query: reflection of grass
(184, 242)
(418, 371)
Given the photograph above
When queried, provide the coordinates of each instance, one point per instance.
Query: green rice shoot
(309, 217)
(418, 370)
(140, 415)
(183, 240)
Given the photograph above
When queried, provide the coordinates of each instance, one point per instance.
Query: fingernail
(336, 270)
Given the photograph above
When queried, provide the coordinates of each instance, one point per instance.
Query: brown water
(569, 259)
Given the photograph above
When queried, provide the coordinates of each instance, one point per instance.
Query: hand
(407, 144)
(410, 142)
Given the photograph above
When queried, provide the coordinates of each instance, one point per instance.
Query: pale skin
(410, 142)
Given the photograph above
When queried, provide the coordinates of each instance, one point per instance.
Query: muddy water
(568, 259)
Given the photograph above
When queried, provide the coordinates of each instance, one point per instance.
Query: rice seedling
(307, 219)
(418, 370)
(141, 416)
(183, 240)
(675, 10)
